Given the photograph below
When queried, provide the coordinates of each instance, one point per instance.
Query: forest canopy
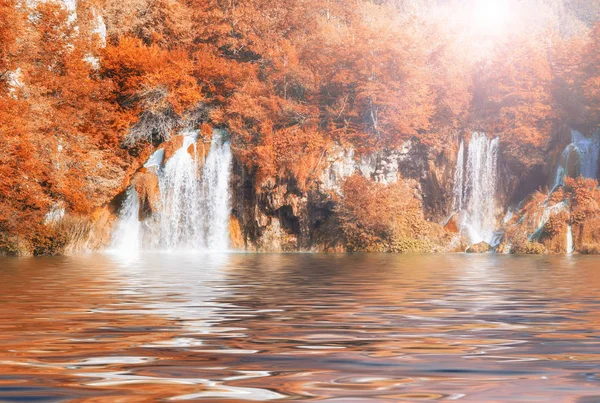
(87, 88)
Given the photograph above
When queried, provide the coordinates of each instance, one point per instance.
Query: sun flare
(491, 16)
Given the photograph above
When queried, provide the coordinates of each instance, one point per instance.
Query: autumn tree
(154, 88)
(591, 85)
(11, 25)
(514, 97)
(383, 218)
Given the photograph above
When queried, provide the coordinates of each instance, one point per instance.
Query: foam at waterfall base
(126, 240)
(194, 204)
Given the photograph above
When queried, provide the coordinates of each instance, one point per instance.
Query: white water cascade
(475, 188)
(216, 196)
(180, 216)
(569, 240)
(587, 150)
(194, 206)
(548, 212)
(459, 178)
(127, 234)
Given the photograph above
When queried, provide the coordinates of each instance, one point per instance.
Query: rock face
(74, 233)
(235, 233)
(481, 247)
(147, 188)
(279, 215)
(453, 223)
(276, 217)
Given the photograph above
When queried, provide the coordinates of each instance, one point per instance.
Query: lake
(300, 327)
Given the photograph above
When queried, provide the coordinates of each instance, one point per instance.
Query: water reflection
(335, 328)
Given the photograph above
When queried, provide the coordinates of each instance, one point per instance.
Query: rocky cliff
(378, 126)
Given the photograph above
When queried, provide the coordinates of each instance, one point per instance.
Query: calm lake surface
(300, 327)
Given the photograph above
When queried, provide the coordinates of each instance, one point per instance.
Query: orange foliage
(285, 78)
(10, 25)
(515, 99)
(580, 209)
(591, 85)
(291, 153)
(141, 70)
(584, 197)
(384, 80)
(60, 143)
(23, 201)
(376, 217)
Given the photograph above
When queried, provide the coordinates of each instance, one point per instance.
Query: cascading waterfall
(458, 178)
(569, 239)
(548, 212)
(475, 188)
(579, 158)
(216, 195)
(561, 169)
(127, 234)
(180, 216)
(194, 206)
(587, 150)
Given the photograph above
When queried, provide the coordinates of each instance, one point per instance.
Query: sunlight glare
(490, 16)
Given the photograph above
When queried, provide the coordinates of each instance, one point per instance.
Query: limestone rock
(481, 247)
(148, 190)
(453, 224)
(235, 233)
(590, 249)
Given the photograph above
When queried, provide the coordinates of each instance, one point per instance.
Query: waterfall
(475, 188)
(180, 216)
(156, 159)
(216, 195)
(563, 164)
(587, 150)
(194, 204)
(548, 212)
(458, 178)
(569, 239)
(127, 234)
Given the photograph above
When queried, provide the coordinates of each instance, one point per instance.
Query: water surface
(300, 327)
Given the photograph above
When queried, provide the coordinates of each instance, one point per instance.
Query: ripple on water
(319, 328)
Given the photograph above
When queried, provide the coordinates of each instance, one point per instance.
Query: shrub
(590, 249)
(376, 218)
(528, 248)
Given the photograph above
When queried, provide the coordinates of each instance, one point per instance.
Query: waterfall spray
(127, 234)
(458, 177)
(475, 187)
(216, 195)
(194, 208)
(180, 216)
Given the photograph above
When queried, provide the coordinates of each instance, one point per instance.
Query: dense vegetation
(576, 205)
(78, 110)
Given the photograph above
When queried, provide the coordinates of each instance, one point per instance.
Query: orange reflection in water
(301, 327)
